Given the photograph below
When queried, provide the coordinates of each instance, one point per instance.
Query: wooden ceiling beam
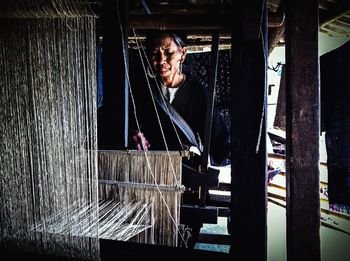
(333, 14)
(189, 22)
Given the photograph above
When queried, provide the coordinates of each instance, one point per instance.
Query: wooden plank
(221, 239)
(192, 177)
(117, 250)
(204, 21)
(248, 132)
(198, 214)
(302, 130)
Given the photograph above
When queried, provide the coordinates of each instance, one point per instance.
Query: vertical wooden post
(214, 59)
(248, 132)
(113, 115)
(302, 130)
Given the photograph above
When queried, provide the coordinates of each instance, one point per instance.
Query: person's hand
(140, 141)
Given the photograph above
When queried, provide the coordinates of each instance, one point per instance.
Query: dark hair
(154, 36)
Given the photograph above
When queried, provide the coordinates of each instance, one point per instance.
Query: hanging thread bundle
(48, 161)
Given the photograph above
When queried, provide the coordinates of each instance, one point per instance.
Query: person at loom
(166, 53)
(171, 106)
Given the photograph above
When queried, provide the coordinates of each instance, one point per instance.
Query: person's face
(166, 57)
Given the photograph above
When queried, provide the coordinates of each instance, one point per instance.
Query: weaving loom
(153, 178)
(139, 200)
(59, 195)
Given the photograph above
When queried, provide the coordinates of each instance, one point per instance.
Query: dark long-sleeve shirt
(190, 102)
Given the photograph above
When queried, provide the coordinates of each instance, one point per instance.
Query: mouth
(162, 69)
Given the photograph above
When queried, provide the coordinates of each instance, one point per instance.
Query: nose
(162, 58)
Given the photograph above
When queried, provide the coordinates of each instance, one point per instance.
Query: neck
(174, 81)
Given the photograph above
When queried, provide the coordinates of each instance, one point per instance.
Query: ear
(184, 52)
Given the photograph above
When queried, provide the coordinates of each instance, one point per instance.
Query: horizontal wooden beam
(196, 214)
(178, 22)
(221, 239)
(189, 22)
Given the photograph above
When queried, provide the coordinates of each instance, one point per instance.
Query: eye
(154, 52)
(169, 53)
